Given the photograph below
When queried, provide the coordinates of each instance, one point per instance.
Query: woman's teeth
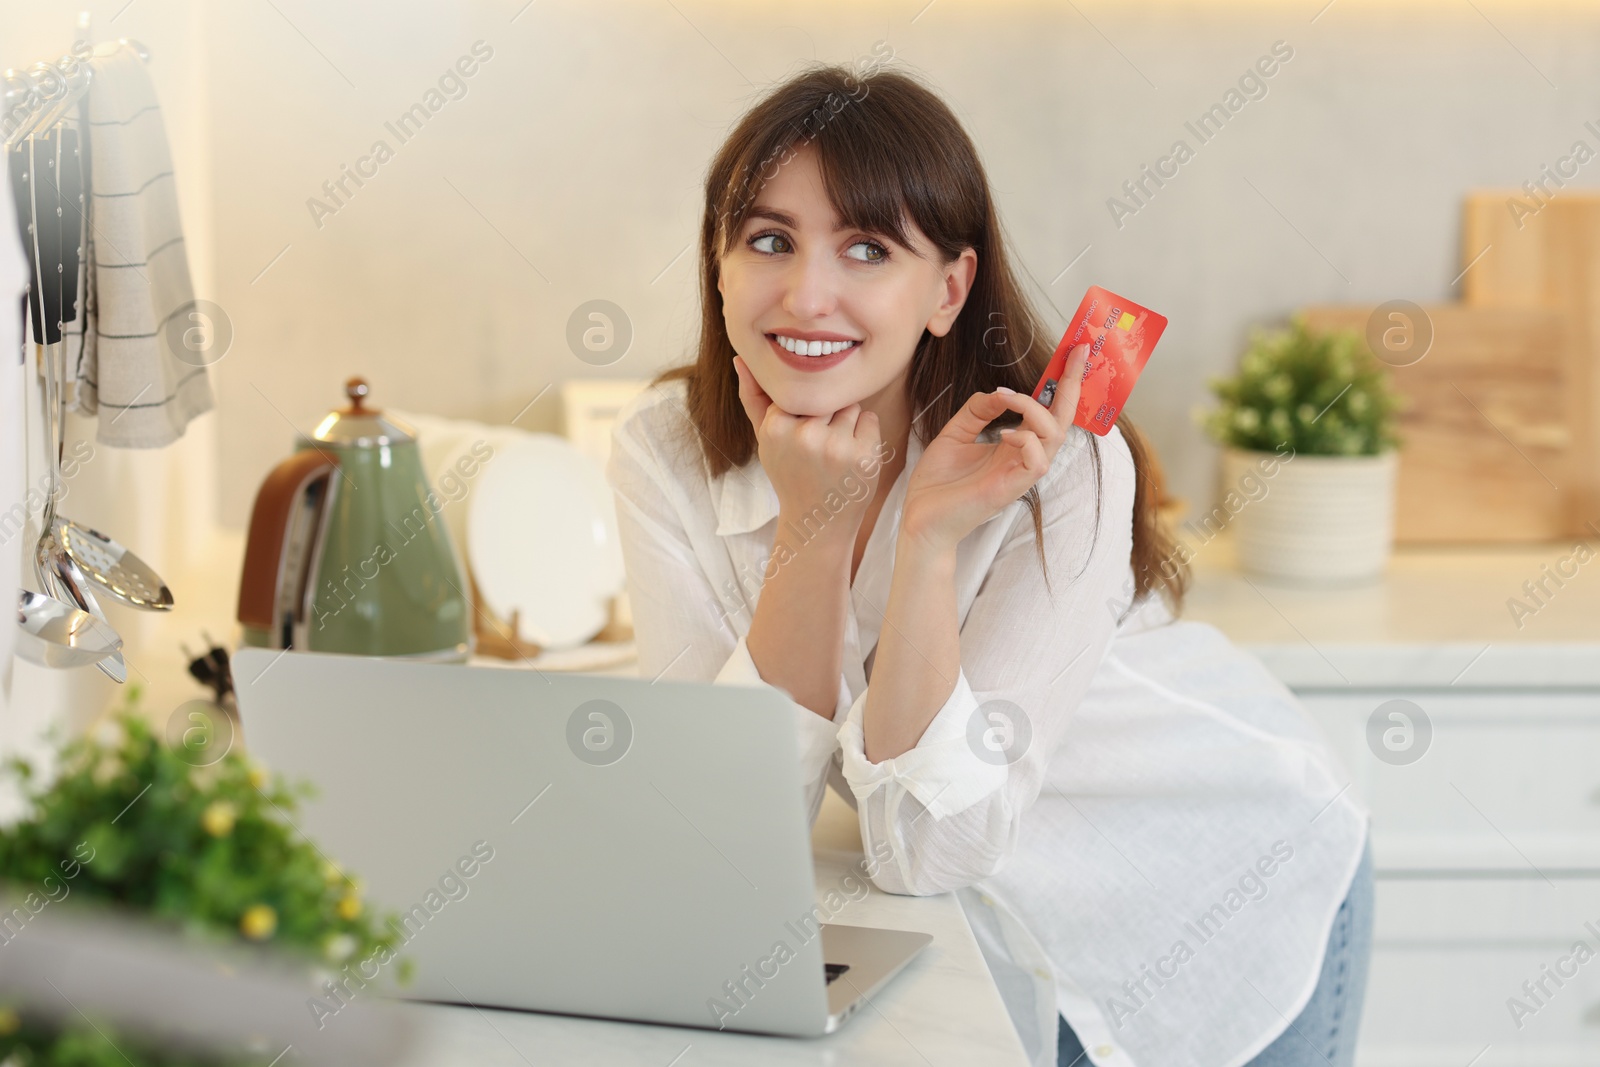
(813, 348)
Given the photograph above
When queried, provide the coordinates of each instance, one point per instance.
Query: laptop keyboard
(834, 970)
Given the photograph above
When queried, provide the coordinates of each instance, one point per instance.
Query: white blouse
(1151, 837)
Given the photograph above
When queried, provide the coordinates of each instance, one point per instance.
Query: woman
(1156, 850)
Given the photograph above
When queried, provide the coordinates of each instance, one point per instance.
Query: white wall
(581, 146)
(571, 170)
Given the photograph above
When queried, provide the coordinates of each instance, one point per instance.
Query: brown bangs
(877, 172)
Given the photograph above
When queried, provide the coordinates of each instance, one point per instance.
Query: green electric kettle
(347, 551)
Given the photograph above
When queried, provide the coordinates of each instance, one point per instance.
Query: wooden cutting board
(1527, 254)
(1487, 450)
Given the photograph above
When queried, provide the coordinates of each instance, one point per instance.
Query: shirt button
(1103, 1050)
(1042, 973)
(986, 901)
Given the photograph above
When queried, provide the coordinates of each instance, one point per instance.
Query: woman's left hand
(960, 481)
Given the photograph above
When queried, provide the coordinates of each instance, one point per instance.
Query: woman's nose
(812, 291)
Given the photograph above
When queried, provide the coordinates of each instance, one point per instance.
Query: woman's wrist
(925, 552)
(923, 539)
(817, 531)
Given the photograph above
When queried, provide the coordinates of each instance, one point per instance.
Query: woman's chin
(809, 401)
(804, 393)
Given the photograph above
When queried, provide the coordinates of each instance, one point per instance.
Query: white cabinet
(1450, 959)
(1508, 780)
(1486, 848)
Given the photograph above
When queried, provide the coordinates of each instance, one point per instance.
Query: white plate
(542, 539)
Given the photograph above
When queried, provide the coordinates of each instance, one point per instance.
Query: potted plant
(1309, 456)
(203, 847)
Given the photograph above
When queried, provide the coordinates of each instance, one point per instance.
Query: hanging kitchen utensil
(48, 212)
(73, 215)
(60, 202)
(21, 186)
(58, 573)
(56, 634)
(113, 568)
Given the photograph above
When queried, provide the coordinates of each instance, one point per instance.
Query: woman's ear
(958, 278)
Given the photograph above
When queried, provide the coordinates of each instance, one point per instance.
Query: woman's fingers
(845, 419)
(1051, 423)
(983, 408)
(1029, 451)
(1064, 407)
(979, 410)
(867, 427)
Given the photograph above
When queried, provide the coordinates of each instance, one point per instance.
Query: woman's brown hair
(889, 149)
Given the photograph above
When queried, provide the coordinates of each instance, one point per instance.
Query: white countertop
(1438, 617)
(942, 1009)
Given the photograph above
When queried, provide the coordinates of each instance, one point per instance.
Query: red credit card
(1120, 335)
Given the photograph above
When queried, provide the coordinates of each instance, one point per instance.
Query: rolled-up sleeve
(682, 629)
(944, 772)
(950, 808)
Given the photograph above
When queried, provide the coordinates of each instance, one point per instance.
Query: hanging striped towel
(138, 363)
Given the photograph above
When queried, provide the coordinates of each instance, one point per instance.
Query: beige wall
(571, 170)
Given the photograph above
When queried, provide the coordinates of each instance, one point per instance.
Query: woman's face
(794, 275)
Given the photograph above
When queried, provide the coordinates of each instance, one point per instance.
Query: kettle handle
(264, 555)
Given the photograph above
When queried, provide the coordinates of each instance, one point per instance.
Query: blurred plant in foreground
(208, 851)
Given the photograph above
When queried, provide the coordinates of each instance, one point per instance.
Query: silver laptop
(570, 843)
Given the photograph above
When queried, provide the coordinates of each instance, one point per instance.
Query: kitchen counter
(942, 1009)
(1440, 616)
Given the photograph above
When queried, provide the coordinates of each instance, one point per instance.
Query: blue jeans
(1324, 1033)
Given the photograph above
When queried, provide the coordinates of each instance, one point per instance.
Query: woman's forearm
(919, 649)
(796, 638)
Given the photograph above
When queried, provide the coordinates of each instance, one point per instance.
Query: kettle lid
(360, 425)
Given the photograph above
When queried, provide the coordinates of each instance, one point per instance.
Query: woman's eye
(876, 252)
(757, 243)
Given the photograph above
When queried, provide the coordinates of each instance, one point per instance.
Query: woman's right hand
(810, 457)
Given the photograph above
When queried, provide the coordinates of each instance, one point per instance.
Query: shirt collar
(746, 500)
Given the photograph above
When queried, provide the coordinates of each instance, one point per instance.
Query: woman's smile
(811, 350)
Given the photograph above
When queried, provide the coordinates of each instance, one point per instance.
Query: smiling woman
(907, 225)
(980, 644)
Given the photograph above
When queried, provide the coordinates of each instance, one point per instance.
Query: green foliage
(1322, 394)
(208, 850)
(25, 1044)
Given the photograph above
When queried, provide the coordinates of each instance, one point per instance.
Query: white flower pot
(1315, 520)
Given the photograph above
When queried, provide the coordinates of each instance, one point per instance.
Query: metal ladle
(54, 619)
(58, 572)
(56, 634)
